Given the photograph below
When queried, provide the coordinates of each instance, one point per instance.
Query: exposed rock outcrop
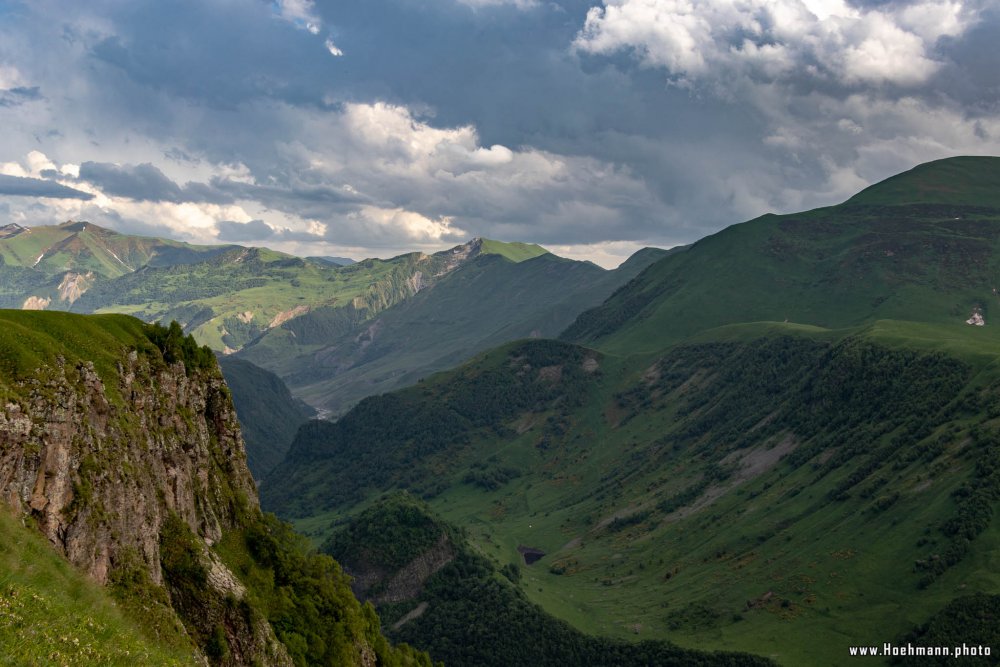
(103, 464)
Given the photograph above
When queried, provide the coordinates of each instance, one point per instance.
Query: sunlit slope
(51, 614)
(932, 257)
(84, 247)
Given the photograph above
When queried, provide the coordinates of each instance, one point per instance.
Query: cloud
(13, 97)
(145, 182)
(239, 232)
(332, 48)
(36, 187)
(300, 13)
(595, 128)
(519, 4)
(822, 41)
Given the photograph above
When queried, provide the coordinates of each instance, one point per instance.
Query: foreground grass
(51, 614)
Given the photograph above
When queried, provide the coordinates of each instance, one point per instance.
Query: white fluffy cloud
(827, 41)
(301, 13)
(370, 175)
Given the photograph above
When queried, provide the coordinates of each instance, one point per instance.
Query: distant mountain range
(312, 321)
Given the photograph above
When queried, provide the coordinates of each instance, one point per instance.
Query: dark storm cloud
(36, 187)
(239, 232)
(144, 182)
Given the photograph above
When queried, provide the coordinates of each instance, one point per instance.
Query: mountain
(53, 266)
(924, 258)
(84, 247)
(314, 322)
(336, 261)
(782, 440)
(269, 415)
(487, 301)
(119, 444)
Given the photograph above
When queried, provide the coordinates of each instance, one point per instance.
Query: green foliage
(975, 502)
(972, 620)
(389, 534)
(389, 440)
(307, 598)
(176, 347)
(269, 416)
(730, 459)
(490, 478)
(477, 618)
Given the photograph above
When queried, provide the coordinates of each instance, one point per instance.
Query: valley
(765, 447)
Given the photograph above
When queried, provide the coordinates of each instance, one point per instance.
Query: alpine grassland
(52, 614)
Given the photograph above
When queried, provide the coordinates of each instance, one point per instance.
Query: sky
(366, 128)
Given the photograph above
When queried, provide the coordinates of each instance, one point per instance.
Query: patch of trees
(392, 440)
(489, 477)
(175, 346)
(477, 616)
(975, 501)
(972, 620)
(389, 534)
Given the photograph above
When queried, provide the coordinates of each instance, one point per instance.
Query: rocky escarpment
(112, 464)
(101, 475)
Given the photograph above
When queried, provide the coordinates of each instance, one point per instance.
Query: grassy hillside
(467, 612)
(29, 340)
(875, 257)
(967, 181)
(51, 614)
(57, 264)
(787, 495)
(488, 301)
(85, 247)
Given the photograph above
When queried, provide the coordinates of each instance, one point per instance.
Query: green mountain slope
(775, 491)
(487, 301)
(464, 611)
(833, 267)
(968, 181)
(52, 266)
(245, 294)
(269, 416)
(783, 439)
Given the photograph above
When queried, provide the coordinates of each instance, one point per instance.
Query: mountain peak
(964, 180)
(11, 229)
(514, 251)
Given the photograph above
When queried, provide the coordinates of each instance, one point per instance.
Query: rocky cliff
(121, 442)
(101, 473)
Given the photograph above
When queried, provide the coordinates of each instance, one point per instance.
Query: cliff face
(120, 442)
(101, 472)
(114, 464)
